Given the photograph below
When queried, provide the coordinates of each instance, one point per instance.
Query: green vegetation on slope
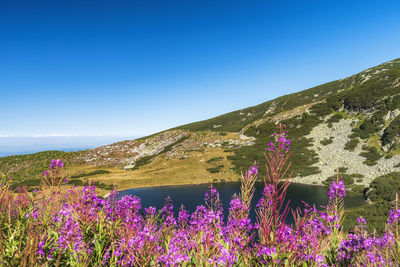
(352, 144)
(96, 172)
(382, 192)
(371, 154)
(367, 94)
(391, 132)
(30, 167)
(326, 141)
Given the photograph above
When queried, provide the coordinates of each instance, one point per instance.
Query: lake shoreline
(123, 188)
(177, 185)
(193, 195)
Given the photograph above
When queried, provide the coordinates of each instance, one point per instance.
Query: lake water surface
(193, 195)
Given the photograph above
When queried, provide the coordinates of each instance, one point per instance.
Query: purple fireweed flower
(271, 147)
(167, 213)
(128, 207)
(35, 214)
(337, 190)
(40, 248)
(40, 252)
(284, 143)
(45, 173)
(211, 198)
(265, 251)
(361, 220)
(236, 205)
(56, 163)
(308, 209)
(266, 199)
(150, 211)
(168, 208)
(253, 170)
(394, 216)
(237, 223)
(183, 217)
(105, 258)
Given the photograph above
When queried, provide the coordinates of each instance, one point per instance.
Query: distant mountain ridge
(352, 124)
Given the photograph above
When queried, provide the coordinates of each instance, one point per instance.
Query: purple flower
(271, 147)
(394, 216)
(150, 211)
(253, 170)
(337, 190)
(35, 214)
(56, 163)
(264, 251)
(361, 220)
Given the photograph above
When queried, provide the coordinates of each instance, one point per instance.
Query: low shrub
(371, 154)
(326, 141)
(96, 172)
(215, 169)
(351, 144)
(335, 118)
(213, 160)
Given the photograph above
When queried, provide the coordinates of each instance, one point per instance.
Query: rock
(391, 114)
(129, 166)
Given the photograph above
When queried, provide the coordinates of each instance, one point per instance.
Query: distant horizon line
(34, 151)
(65, 135)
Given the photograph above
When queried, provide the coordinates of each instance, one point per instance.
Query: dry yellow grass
(162, 171)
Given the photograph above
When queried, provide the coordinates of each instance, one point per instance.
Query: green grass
(29, 167)
(90, 173)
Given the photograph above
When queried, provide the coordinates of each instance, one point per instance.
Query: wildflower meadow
(76, 227)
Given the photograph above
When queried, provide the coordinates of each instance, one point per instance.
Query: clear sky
(132, 68)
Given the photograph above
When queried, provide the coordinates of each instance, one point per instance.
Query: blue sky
(132, 68)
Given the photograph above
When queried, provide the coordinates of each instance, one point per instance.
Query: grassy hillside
(369, 100)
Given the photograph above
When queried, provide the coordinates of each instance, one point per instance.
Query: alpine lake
(192, 196)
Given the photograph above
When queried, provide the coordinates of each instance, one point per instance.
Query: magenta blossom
(337, 190)
(56, 163)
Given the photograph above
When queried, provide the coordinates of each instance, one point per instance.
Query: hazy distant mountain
(17, 145)
(352, 124)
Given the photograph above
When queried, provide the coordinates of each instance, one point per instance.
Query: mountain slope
(352, 124)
